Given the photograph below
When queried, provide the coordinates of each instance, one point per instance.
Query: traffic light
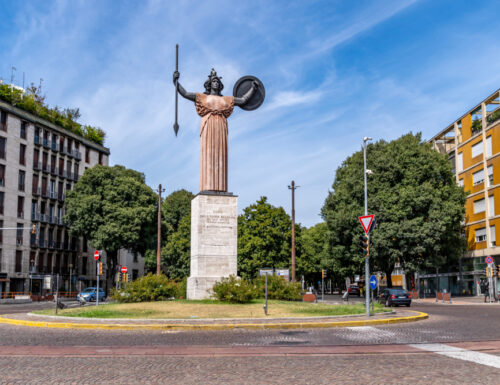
(100, 268)
(498, 271)
(323, 273)
(489, 271)
(125, 277)
(365, 245)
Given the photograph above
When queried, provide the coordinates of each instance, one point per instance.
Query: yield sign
(366, 222)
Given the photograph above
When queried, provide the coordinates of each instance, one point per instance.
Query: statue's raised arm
(185, 94)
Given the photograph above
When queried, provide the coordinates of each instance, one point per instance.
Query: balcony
(68, 151)
(20, 214)
(46, 143)
(42, 243)
(36, 190)
(76, 177)
(38, 140)
(54, 146)
(35, 216)
(69, 174)
(59, 245)
(61, 197)
(77, 154)
(60, 221)
(45, 167)
(33, 242)
(43, 218)
(45, 193)
(61, 172)
(53, 195)
(54, 170)
(19, 241)
(37, 166)
(52, 244)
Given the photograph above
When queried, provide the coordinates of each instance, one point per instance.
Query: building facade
(472, 144)
(39, 163)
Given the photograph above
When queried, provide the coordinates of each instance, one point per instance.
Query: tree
(175, 208)
(113, 208)
(313, 252)
(417, 204)
(264, 238)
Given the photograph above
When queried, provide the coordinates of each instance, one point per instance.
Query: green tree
(313, 252)
(175, 209)
(113, 208)
(264, 238)
(417, 205)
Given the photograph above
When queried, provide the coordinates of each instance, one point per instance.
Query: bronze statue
(214, 110)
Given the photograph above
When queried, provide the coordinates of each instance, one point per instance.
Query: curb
(280, 325)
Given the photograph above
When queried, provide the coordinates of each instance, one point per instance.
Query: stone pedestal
(214, 241)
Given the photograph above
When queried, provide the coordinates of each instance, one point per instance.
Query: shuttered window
(477, 149)
(478, 177)
(479, 206)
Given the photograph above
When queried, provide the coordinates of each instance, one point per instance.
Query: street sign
(489, 260)
(96, 255)
(373, 282)
(124, 269)
(366, 222)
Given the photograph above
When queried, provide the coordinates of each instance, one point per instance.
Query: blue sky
(334, 71)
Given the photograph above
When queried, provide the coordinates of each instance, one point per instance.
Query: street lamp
(367, 259)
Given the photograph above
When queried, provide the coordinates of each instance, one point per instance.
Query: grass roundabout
(211, 309)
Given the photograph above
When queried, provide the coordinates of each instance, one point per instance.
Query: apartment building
(472, 144)
(39, 163)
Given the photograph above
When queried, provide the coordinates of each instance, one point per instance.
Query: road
(392, 354)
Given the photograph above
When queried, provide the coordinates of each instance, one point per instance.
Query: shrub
(278, 288)
(150, 288)
(234, 290)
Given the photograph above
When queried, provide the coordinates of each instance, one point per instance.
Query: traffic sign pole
(367, 259)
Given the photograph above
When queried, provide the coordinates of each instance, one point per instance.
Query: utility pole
(367, 259)
(293, 188)
(158, 245)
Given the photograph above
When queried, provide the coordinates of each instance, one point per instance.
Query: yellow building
(473, 145)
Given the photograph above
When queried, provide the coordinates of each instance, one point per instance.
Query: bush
(278, 288)
(234, 290)
(150, 288)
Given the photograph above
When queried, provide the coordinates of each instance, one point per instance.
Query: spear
(176, 125)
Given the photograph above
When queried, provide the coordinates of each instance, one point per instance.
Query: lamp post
(158, 245)
(293, 187)
(367, 259)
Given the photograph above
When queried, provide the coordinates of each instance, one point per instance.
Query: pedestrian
(486, 291)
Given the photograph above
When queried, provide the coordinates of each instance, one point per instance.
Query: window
(23, 130)
(34, 188)
(135, 257)
(75, 171)
(37, 135)
(1, 202)
(461, 182)
(481, 235)
(87, 155)
(491, 205)
(22, 154)
(61, 166)
(478, 177)
(3, 142)
(3, 120)
(489, 151)
(1, 231)
(477, 149)
(34, 209)
(2, 175)
(84, 265)
(45, 161)
(19, 261)
(135, 274)
(53, 164)
(20, 207)
(100, 158)
(493, 238)
(20, 180)
(479, 206)
(19, 235)
(61, 144)
(490, 175)
(36, 158)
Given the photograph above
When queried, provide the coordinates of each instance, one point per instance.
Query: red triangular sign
(366, 222)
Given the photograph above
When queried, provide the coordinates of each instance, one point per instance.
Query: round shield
(243, 85)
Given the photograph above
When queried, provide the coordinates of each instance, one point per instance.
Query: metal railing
(37, 140)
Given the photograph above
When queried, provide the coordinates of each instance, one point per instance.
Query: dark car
(354, 290)
(395, 297)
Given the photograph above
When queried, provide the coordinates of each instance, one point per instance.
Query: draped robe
(214, 111)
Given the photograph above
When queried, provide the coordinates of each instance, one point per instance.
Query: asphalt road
(381, 354)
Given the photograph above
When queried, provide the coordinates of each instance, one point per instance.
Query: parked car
(395, 297)
(354, 290)
(90, 294)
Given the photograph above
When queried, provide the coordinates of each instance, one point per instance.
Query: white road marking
(461, 354)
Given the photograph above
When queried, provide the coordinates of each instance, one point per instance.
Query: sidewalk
(32, 320)
(476, 300)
